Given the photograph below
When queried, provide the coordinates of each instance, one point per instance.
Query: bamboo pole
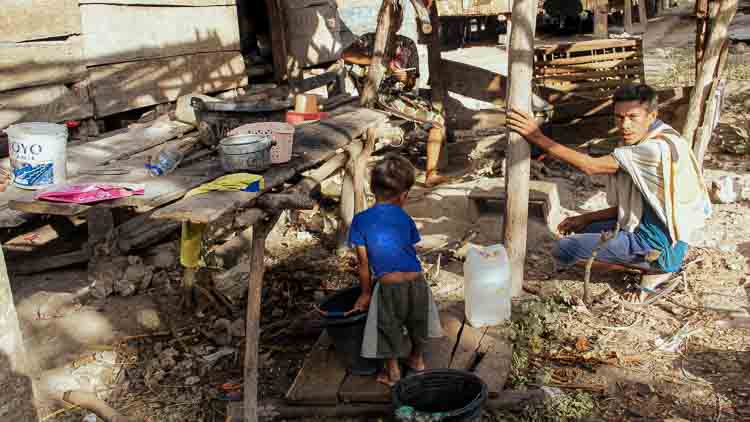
(709, 68)
(519, 97)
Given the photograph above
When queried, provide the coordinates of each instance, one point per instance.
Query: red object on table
(292, 117)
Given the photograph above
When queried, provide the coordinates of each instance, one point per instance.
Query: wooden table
(325, 142)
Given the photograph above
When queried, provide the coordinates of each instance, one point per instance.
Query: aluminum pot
(246, 153)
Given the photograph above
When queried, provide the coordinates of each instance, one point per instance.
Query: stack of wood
(589, 69)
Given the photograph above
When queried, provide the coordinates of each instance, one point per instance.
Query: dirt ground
(607, 361)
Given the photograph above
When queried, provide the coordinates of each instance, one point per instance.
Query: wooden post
(15, 384)
(518, 159)
(360, 171)
(435, 59)
(709, 68)
(252, 321)
(628, 6)
(701, 33)
(642, 16)
(278, 38)
(376, 71)
(601, 13)
(348, 204)
(508, 29)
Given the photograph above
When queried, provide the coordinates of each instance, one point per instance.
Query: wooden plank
(313, 144)
(320, 377)
(613, 83)
(587, 75)
(495, 366)
(25, 65)
(589, 59)
(192, 3)
(474, 82)
(473, 8)
(85, 156)
(116, 33)
(47, 263)
(157, 190)
(26, 20)
(48, 103)
(585, 67)
(582, 46)
(438, 351)
(358, 389)
(126, 86)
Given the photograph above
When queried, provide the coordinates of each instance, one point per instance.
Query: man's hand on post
(523, 124)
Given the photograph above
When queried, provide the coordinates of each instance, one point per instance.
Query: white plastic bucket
(37, 154)
(282, 133)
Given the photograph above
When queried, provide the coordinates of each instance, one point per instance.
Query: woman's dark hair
(643, 93)
(391, 177)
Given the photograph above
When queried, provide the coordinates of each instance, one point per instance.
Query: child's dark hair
(644, 94)
(391, 177)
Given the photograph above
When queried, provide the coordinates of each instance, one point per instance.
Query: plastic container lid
(36, 129)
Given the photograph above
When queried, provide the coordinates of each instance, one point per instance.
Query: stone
(163, 257)
(148, 319)
(192, 380)
(221, 332)
(124, 287)
(237, 329)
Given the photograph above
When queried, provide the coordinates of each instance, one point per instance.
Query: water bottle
(487, 288)
(166, 162)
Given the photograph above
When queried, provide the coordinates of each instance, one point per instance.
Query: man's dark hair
(643, 93)
(391, 177)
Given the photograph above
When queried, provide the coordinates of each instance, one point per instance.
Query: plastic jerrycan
(487, 285)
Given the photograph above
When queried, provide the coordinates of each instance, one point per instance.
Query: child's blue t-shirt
(389, 234)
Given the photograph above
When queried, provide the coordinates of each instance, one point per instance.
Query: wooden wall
(75, 59)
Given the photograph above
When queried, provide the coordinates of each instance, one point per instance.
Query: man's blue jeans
(624, 249)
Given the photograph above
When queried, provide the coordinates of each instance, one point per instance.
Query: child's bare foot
(392, 374)
(416, 363)
(385, 379)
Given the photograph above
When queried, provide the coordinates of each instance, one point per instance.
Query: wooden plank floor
(324, 381)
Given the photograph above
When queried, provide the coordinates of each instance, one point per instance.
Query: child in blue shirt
(394, 290)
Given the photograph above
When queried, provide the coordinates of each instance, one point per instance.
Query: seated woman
(396, 92)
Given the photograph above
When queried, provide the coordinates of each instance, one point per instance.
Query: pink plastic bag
(87, 193)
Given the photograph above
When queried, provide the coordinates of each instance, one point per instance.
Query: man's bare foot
(648, 284)
(433, 179)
